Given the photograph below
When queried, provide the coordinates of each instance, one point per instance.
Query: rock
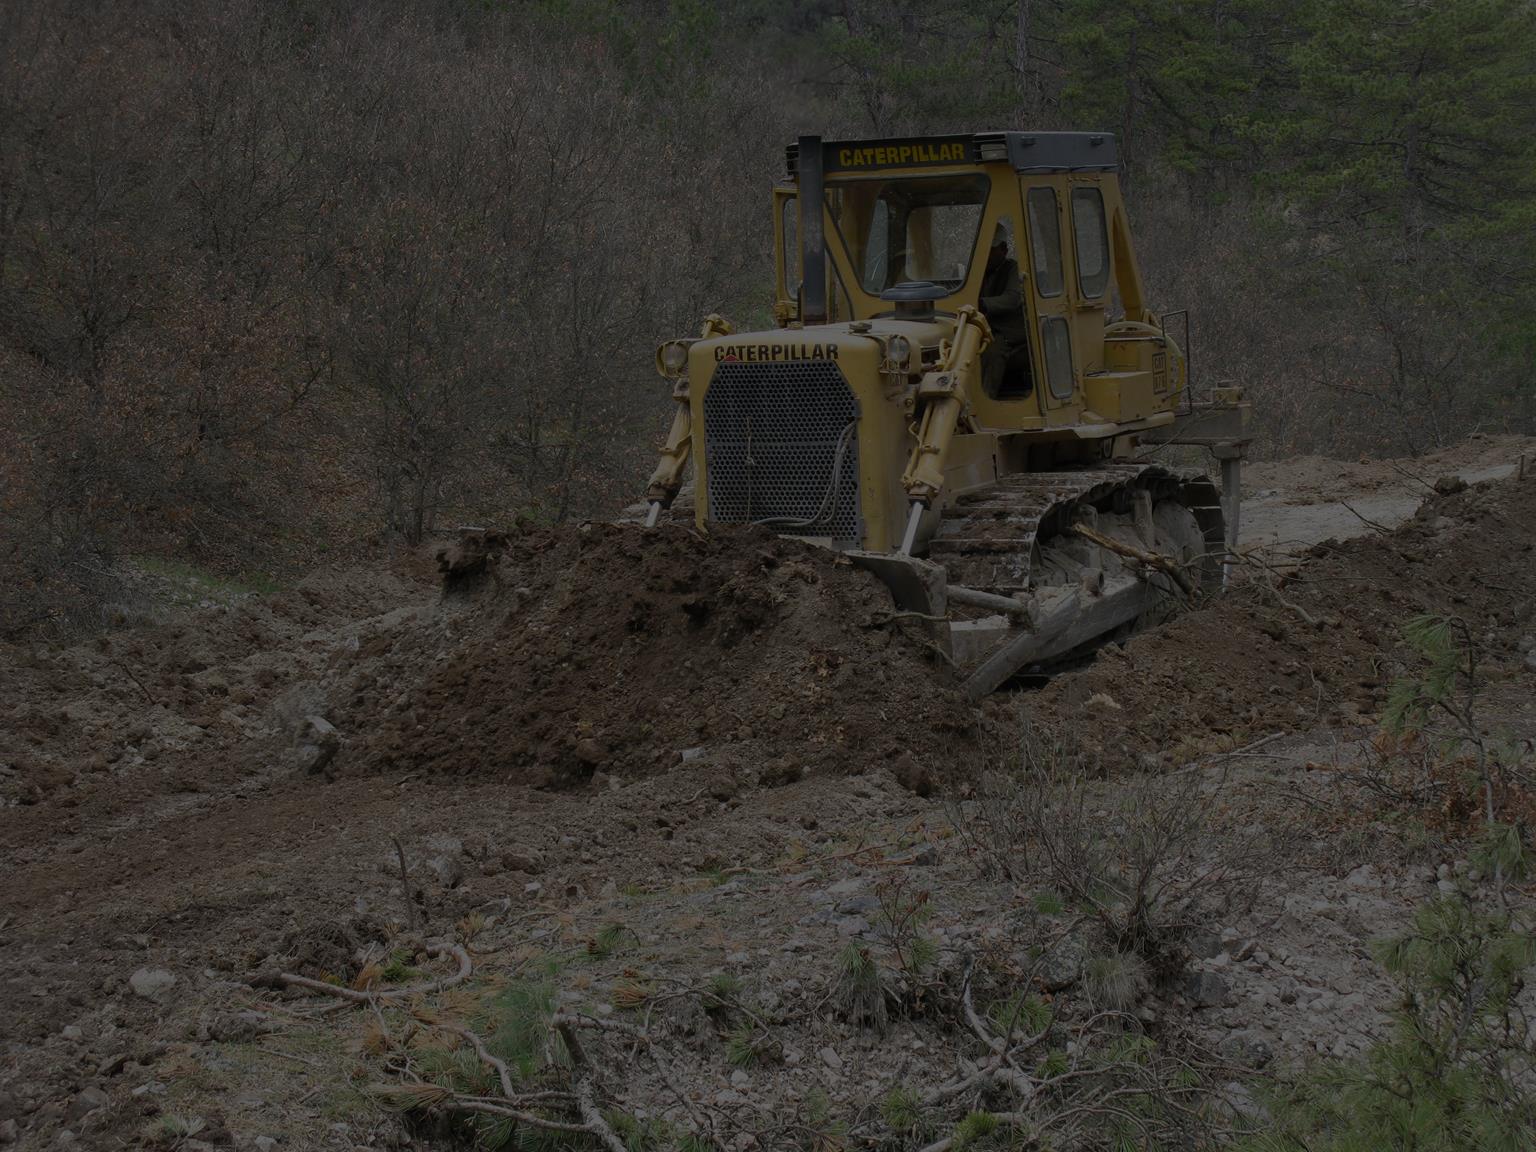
(1102, 702)
(1244, 1105)
(9, 1132)
(448, 870)
(724, 787)
(1204, 945)
(590, 751)
(1207, 989)
(532, 889)
(86, 1101)
(831, 1059)
(858, 905)
(780, 772)
(1248, 1048)
(912, 775)
(318, 744)
(71, 1032)
(924, 857)
(1450, 485)
(850, 926)
(264, 1143)
(1363, 877)
(740, 1079)
(1062, 966)
(152, 984)
(529, 860)
(1530, 660)
(688, 754)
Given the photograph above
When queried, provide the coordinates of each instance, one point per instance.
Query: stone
(688, 754)
(740, 1079)
(86, 1101)
(1248, 1048)
(448, 870)
(318, 744)
(1363, 877)
(831, 1059)
(590, 751)
(1062, 965)
(912, 775)
(153, 984)
(1204, 945)
(529, 860)
(9, 1132)
(264, 1143)
(1208, 989)
(71, 1032)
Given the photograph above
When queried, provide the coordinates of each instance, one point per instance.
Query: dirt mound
(1315, 646)
(607, 649)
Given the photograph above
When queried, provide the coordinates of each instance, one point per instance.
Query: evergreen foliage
(1457, 1073)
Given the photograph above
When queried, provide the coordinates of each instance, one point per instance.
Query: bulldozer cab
(906, 222)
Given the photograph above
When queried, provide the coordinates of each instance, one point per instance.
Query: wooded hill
(276, 278)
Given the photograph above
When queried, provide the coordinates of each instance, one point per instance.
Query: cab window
(1090, 241)
(1045, 240)
(909, 228)
(1056, 339)
(790, 229)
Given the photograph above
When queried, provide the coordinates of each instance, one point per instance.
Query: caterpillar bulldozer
(960, 393)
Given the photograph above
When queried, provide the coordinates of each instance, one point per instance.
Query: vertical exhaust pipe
(813, 241)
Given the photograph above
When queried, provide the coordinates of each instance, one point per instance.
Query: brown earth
(1287, 651)
(602, 648)
(161, 811)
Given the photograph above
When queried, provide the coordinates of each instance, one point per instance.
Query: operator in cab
(1005, 370)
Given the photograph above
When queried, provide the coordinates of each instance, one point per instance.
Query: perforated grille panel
(782, 449)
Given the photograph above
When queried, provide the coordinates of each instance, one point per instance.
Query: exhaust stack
(813, 241)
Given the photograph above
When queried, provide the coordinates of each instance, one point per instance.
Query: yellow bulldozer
(960, 394)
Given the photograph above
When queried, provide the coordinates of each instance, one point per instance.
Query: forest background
(282, 279)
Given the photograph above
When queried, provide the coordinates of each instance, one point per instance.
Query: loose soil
(607, 649)
(724, 745)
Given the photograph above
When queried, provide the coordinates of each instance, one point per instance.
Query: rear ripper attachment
(948, 400)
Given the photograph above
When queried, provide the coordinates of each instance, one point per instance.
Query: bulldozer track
(987, 539)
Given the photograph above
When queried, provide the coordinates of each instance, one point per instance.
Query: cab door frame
(1052, 295)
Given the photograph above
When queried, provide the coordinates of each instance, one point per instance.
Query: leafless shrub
(1140, 854)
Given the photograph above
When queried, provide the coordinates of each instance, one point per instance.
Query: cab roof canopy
(1025, 151)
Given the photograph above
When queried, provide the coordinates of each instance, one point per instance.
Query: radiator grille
(781, 448)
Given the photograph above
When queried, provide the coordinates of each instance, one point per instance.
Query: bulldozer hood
(839, 343)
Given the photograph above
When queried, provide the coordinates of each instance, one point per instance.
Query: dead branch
(499, 1066)
(1165, 564)
(581, 1081)
(1015, 1120)
(368, 996)
(405, 887)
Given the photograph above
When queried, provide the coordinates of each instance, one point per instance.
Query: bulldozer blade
(1075, 619)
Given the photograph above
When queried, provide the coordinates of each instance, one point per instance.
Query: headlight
(672, 358)
(898, 350)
